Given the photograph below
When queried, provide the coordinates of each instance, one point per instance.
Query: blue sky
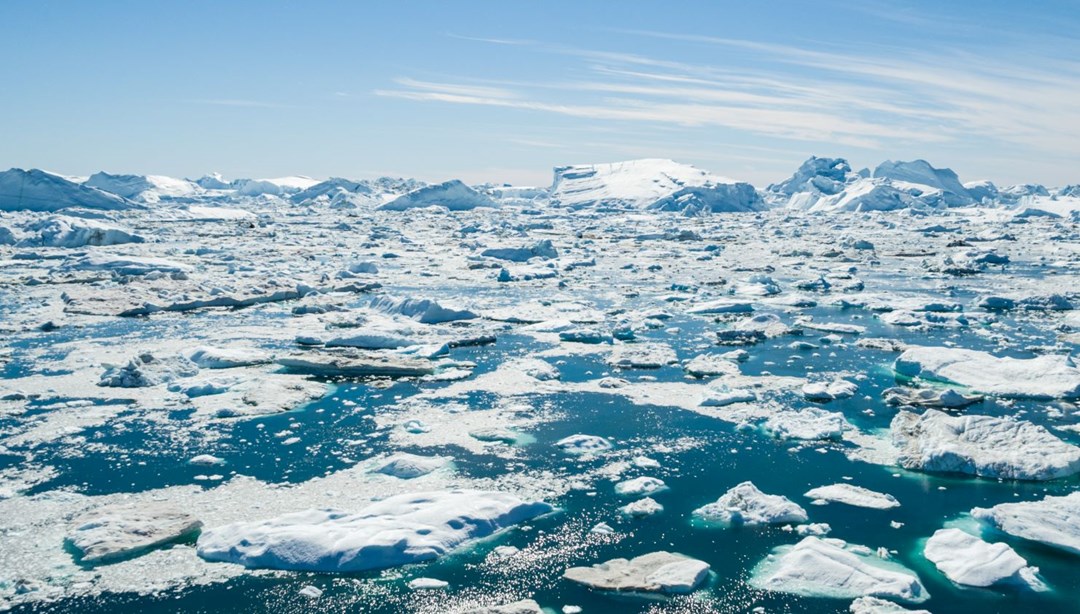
(503, 91)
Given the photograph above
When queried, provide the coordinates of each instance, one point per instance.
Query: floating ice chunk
(656, 572)
(981, 445)
(809, 424)
(929, 397)
(642, 356)
(968, 560)
(425, 311)
(640, 486)
(642, 508)
(407, 466)
(373, 339)
(535, 368)
(525, 606)
(206, 460)
(828, 391)
(544, 250)
(227, 358)
(719, 394)
(873, 605)
(428, 584)
(147, 370)
(495, 434)
(821, 568)
(311, 592)
(721, 306)
(1042, 377)
(710, 365)
(758, 285)
(746, 505)
(342, 365)
(403, 529)
(1053, 521)
(583, 444)
(453, 194)
(120, 531)
(585, 335)
(853, 495)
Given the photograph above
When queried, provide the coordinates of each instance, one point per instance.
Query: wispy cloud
(870, 97)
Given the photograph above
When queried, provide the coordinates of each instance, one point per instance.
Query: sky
(504, 91)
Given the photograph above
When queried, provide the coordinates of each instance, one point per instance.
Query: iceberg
(744, 504)
(399, 530)
(968, 560)
(656, 572)
(984, 446)
(1042, 377)
(818, 567)
(1052, 521)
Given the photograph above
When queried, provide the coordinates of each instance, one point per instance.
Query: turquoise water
(708, 457)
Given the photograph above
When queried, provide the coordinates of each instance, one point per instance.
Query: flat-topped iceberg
(1042, 377)
(818, 567)
(744, 504)
(116, 532)
(852, 495)
(968, 560)
(656, 572)
(985, 446)
(1053, 521)
(403, 529)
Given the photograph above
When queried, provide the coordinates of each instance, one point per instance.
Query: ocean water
(702, 457)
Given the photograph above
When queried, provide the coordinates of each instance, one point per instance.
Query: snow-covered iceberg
(1052, 521)
(658, 184)
(985, 446)
(829, 568)
(1042, 377)
(403, 529)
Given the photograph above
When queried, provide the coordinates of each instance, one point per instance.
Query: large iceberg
(143, 188)
(1053, 521)
(657, 572)
(403, 529)
(37, 190)
(659, 184)
(829, 568)
(968, 560)
(453, 194)
(985, 446)
(746, 505)
(1042, 377)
